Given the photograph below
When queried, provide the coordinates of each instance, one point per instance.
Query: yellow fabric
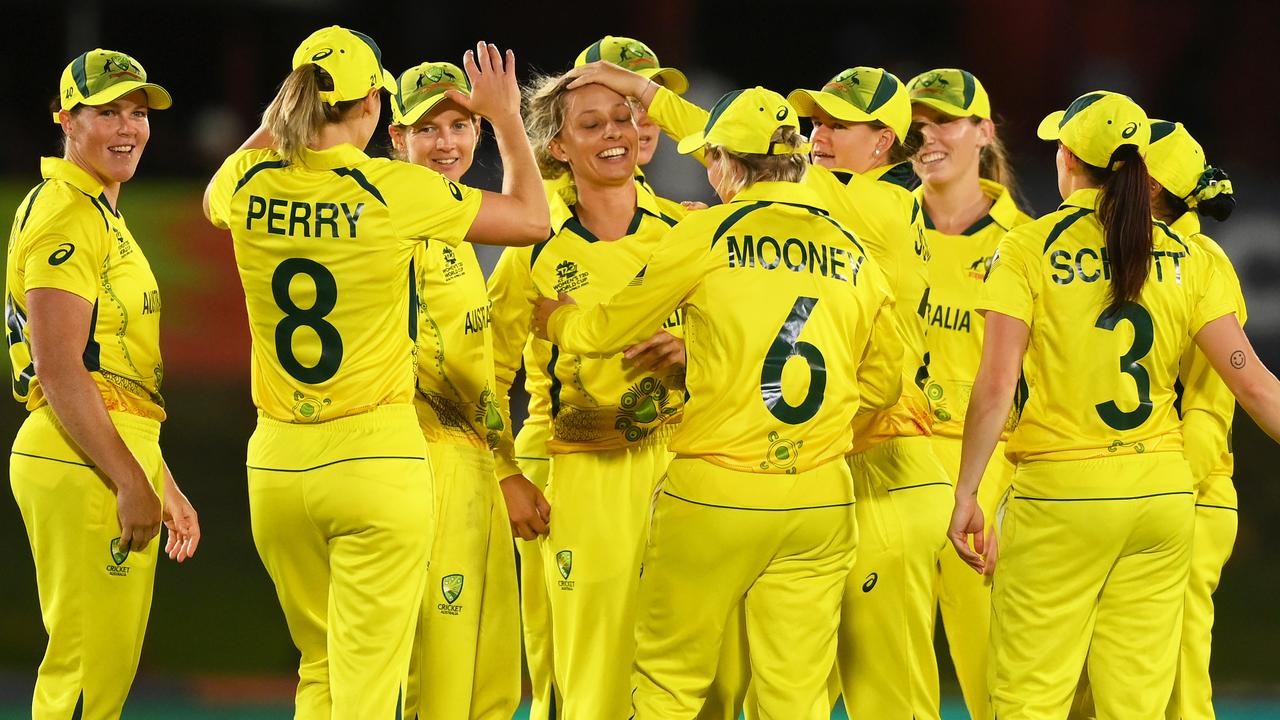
(1098, 581)
(101, 76)
(585, 397)
(535, 609)
(591, 561)
(323, 248)
(466, 654)
(787, 321)
(1097, 124)
(1215, 535)
(1208, 406)
(789, 566)
(1081, 398)
(886, 659)
(678, 117)
(957, 266)
(745, 121)
(66, 236)
(352, 59)
(94, 606)
(346, 539)
(455, 398)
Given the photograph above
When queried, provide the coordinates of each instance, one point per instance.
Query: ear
(372, 103)
(986, 132)
(397, 137)
(885, 142)
(557, 150)
(1155, 188)
(64, 119)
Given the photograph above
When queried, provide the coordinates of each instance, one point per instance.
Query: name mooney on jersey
(796, 255)
(302, 219)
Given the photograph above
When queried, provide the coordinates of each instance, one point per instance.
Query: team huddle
(768, 441)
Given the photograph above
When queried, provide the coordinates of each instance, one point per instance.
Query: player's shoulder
(1063, 225)
(55, 206)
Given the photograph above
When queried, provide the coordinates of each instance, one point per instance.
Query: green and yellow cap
(860, 94)
(100, 76)
(351, 58)
(744, 121)
(1177, 162)
(1097, 124)
(422, 87)
(951, 91)
(636, 57)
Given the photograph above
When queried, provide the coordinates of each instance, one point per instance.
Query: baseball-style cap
(351, 58)
(1097, 124)
(744, 121)
(100, 76)
(636, 57)
(422, 87)
(1177, 162)
(860, 94)
(951, 91)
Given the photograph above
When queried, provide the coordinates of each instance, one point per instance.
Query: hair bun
(1213, 195)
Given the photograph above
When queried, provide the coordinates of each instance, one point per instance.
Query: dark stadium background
(216, 630)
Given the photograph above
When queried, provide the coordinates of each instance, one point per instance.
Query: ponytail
(1124, 209)
(296, 114)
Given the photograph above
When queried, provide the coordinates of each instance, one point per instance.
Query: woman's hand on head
(618, 79)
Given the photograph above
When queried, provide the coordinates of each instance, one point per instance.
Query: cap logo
(1129, 130)
(633, 55)
(122, 67)
(322, 55)
(436, 78)
(782, 113)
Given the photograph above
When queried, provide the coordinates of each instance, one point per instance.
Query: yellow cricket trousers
(600, 507)
(466, 658)
(964, 596)
(343, 516)
(703, 560)
(535, 607)
(886, 660)
(1093, 565)
(94, 599)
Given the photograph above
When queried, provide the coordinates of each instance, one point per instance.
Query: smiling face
(599, 139)
(951, 148)
(443, 140)
(848, 145)
(107, 140)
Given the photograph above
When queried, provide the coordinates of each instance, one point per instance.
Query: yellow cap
(351, 58)
(860, 94)
(636, 57)
(744, 121)
(1097, 124)
(100, 76)
(1177, 162)
(951, 91)
(422, 87)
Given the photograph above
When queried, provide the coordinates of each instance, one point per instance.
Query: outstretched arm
(1224, 343)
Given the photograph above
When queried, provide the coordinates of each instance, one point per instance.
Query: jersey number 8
(312, 317)
(784, 346)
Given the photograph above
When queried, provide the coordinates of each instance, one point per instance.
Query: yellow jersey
(779, 302)
(1207, 405)
(1098, 383)
(957, 267)
(66, 236)
(590, 402)
(324, 247)
(455, 398)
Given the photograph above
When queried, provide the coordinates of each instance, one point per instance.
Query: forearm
(521, 181)
(983, 424)
(77, 403)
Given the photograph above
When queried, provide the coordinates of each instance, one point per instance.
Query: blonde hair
(994, 165)
(296, 114)
(544, 116)
(739, 171)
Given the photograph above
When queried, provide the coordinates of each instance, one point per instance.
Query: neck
(334, 134)
(606, 210)
(953, 207)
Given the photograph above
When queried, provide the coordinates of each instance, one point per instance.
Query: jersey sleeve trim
(30, 204)
(1062, 226)
(733, 219)
(255, 169)
(362, 181)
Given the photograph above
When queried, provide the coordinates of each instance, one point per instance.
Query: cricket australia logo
(118, 558)
(564, 562)
(643, 407)
(451, 588)
(979, 268)
(118, 66)
(842, 83)
(634, 56)
(782, 454)
(568, 278)
(932, 84)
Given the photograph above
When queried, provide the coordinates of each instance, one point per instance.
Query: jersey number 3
(312, 317)
(1143, 339)
(784, 346)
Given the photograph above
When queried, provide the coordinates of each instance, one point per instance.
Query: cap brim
(388, 81)
(157, 97)
(807, 102)
(943, 107)
(1050, 126)
(415, 113)
(670, 78)
(692, 143)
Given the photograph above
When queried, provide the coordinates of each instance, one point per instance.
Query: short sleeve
(64, 249)
(1008, 289)
(1213, 298)
(226, 181)
(427, 205)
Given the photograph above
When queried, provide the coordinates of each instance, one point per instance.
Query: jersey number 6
(312, 317)
(1143, 339)
(783, 347)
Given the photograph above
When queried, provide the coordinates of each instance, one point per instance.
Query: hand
(993, 552)
(528, 510)
(966, 522)
(659, 352)
(542, 309)
(495, 93)
(618, 79)
(693, 205)
(181, 520)
(138, 509)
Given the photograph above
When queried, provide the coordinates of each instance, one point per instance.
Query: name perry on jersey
(302, 219)
(795, 255)
(1092, 264)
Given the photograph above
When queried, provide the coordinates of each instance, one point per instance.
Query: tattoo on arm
(1237, 359)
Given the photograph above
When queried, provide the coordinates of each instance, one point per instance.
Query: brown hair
(296, 114)
(1124, 209)
(742, 170)
(994, 164)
